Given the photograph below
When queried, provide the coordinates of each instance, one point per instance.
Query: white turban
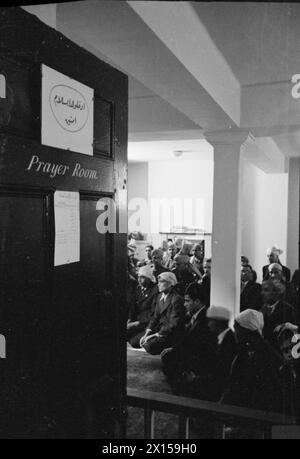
(274, 249)
(251, 319)
(168, 277)
(146, 271)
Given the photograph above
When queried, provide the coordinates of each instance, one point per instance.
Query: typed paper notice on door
(67, 227)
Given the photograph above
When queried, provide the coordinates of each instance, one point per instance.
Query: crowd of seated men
(250, 360)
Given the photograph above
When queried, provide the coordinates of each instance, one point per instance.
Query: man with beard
(273, 256)
(253, 381)
(167, 324)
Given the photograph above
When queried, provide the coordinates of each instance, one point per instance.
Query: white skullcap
(218, 313)
(251, 319)
(275, 266)
(168, 277)
(146, 271)
(274, 249)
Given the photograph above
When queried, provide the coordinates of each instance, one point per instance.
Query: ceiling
(176, 150)
(260, 41)
(193, 66)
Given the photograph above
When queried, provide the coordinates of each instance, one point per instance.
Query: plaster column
(226, 238)
(293, 215)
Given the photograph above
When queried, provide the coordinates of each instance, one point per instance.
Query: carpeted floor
(144, 371)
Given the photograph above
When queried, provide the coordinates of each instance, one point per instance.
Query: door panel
(64, 375)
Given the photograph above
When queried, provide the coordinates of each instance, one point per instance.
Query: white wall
(183, 179)
(264, 214)
(264, 200)
(137, 187)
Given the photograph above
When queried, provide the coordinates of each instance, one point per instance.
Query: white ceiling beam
(181, 30)
(120, 34)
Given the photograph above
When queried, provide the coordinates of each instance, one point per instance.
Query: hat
(274, 249)
(251, 319)
(168, 277)
(146, 271)
(218, 313)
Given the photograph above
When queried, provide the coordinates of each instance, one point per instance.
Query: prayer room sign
(67, 112)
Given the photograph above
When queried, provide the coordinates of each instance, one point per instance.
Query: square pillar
(292, 260)
(226, 234)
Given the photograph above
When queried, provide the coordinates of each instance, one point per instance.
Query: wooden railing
(186, 408)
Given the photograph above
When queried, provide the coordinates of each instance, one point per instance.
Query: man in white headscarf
(273, 256)
(167, 324)
(142, 306)
(253, 381)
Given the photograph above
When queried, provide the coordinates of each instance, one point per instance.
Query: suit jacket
(254, 380)
(205, 282)
(169, 317)
(285, 270)
(281, 313)
(250, 297)
(225, 354)
(197, 347)
(184, 279)
(295, 280)
(144, 304)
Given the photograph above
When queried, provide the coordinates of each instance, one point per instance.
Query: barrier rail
(186, 408)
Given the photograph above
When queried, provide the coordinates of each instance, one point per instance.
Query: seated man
(273, 256)
(184, 273)
(276, 311)
(289, 370)
(250, 291)
(218, 322)
(167, 324)
(157, 267)
(253, 381)
(142, 306)
(189, 364)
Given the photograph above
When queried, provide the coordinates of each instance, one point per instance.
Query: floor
(144, 371)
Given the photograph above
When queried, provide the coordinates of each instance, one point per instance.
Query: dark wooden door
(65, 369)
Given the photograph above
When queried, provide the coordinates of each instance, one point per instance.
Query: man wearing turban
(142, 306)
(253, 381)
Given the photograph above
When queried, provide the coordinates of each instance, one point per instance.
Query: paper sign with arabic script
(67, 112)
